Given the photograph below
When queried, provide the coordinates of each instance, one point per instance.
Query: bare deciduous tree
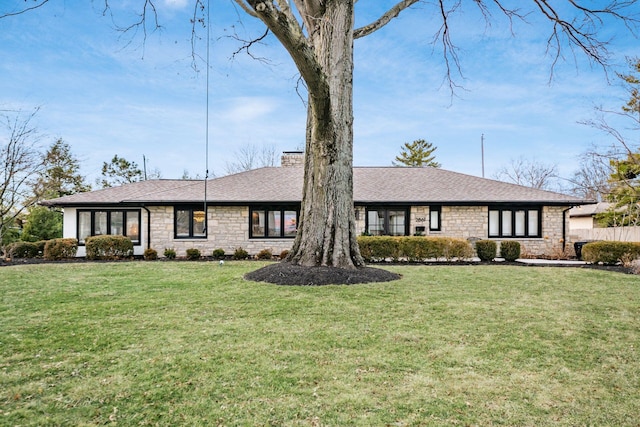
(252, 156)
(530, 173)
(20, 162)
(319, 36)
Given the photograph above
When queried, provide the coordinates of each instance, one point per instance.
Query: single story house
(259, 209)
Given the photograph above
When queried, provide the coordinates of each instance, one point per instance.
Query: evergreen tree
(60, 175)
(119, 171)
(417, 153)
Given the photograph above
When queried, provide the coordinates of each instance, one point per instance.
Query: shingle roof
(284, 184)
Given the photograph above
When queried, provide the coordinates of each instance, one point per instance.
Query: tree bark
(327, 232)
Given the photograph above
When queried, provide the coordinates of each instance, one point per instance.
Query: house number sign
(421, 219)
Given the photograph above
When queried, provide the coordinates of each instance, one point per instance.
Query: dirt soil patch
(284, 273)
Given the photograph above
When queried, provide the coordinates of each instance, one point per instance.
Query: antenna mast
(206, 156)
(482, 152)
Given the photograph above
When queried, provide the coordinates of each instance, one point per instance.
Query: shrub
(284, 254)
(22, 250)
(56, 249)
(109, 247)
(193, 254)
(240, 254)
(169, 253)
(610, 252)
(413, 248)
(150, 254)
(486, 249)
(376, 248)
(265, 254)
(510, 250)
(218, 254)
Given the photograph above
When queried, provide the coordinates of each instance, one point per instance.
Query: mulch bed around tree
(284, 273)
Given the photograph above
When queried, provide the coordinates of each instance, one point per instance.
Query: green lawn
(192, 343)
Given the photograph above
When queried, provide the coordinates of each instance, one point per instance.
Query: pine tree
(418, 153)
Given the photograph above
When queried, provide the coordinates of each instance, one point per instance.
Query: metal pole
(482, 151)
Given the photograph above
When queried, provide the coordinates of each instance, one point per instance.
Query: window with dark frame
(514, 222)
(97, 222)
(435, 214)
(387, 221)
(190, 222)
(273, 222)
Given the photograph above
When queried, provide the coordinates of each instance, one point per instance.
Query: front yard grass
(180, 343)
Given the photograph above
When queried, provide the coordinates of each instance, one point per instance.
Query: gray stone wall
(229, 229)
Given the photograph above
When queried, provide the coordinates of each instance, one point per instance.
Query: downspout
(564, 227)
(148, 226)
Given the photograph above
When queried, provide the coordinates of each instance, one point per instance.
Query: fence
(622, 234)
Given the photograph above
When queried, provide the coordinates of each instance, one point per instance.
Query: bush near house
(264, 254)
(109, 247)
(23, 250)
(240, 254)
(611, 252)
(486, 249)
(57, 249)
(218, 254)
(169, 253)
(150, 254)
(510, 250)
(413, 248)
(193, 254)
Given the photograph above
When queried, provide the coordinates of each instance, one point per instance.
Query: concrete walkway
(550, 261)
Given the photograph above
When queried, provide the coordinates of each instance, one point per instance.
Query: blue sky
(105, 93)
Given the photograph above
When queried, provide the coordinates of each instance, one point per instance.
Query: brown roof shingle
(284, 184)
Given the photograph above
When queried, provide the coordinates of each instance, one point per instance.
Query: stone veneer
(229, 229)
(472, 223)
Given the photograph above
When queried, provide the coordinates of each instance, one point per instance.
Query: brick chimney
(292, 159)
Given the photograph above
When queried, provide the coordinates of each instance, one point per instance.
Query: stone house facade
(259, 209)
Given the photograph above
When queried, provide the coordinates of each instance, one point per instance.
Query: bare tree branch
(38, 3)
(384, 19)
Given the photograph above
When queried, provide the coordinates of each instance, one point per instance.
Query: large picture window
(190, 222)
(391, 221)
(514, 222)
(114, 222)
(273, 222)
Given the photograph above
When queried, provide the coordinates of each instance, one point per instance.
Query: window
(434, 218)
(514, 222)
(387, 221)
(273, 222)
(190, 222)
(99, 222)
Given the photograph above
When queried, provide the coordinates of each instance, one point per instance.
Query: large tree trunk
(326, 233)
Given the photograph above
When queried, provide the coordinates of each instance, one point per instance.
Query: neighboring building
(259, 209)
(584, 217)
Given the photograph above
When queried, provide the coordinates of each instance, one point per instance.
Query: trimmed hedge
(23, 250)
(610, 252)
(486, 249)
(109, 247)
(413, 248)
(510, 250)
(169, 253)
(56, 249)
